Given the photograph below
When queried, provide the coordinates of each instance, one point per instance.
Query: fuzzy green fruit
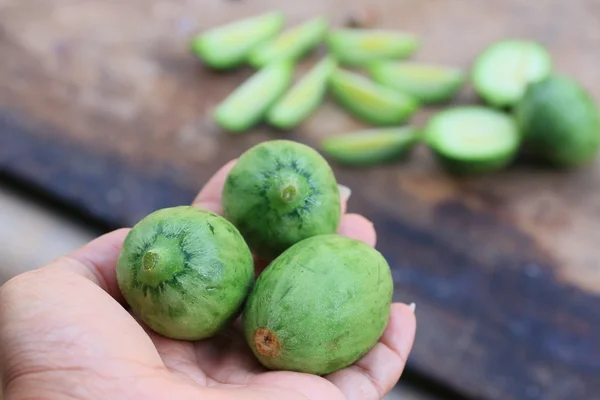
(280, 192)
(185, 272)
(319, 306)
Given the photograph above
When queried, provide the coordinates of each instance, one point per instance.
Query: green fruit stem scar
(159, 263)
(288, 194)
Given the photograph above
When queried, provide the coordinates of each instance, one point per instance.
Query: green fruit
(369, 101)
(473, 139)
(503, 70)
(280, 192)
(303, 98)
(358, 47)
(371, 146)
(560, 122)
(185, 272)
(229, 45)
(320, 306)
(247, 105)
(428, 83)
(292, 44)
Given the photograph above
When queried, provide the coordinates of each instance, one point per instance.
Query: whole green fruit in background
(319, 306)
(560, 122)
(280, 192)
(185, 272)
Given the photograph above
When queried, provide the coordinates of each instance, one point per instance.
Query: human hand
(65, 333)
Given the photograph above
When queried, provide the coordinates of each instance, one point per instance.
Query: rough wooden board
(101, 103)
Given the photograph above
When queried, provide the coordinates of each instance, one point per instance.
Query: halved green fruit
(229, 45)
(371, 146)
(303, 98)
(369, 101)
(357, 47)
(428, 83)
(249, 103)
(503, 70)
(473, 139)
(292, 44)
(560, 122)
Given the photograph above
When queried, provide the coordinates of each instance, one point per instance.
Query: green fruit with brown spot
(320, 306)
(185, 272)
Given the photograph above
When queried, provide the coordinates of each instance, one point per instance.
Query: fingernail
(412, 307)
(345, 192)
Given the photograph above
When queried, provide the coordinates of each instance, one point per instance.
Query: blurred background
(105, 116)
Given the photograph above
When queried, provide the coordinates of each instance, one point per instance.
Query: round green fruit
(280, 192)
(320, 306)
(185, 272)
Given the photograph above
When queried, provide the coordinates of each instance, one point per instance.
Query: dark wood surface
(102, 105)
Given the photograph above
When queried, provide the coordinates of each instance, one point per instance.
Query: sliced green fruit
(371, 146)
(560, 122)
(357, 47)
(503, 70)
(303, 98)
(428, 83)
(249, 103)
(292, 44)
(229, 45)
(370, 101)
(473, 139)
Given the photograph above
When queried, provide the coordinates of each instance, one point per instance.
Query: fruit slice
(371, 146)
(356, 47)
(292, 44)
(560, 122)
(369, 101)
(502, 71)
(473, 139)
(303, 98)
(428, 83)
(249, 103)
(229, 45)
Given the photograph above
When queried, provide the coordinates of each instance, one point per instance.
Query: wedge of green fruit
(319, 306)
(300, 101)
(371, 146)
(502, 71)
(370, 101)
(560, 122)
(248, 104)
(428, 83)
(358, 47)
(291, 44)
(229, 45)
(185, 272)
(473, 139)
(278, 193)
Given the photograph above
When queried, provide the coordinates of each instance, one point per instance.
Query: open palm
(65, 334)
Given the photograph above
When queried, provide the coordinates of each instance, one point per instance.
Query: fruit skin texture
(560, 122)
(320, 306)
(278, 193)
(185, 272)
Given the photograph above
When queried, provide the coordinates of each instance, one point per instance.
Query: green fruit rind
(292, 44)
(473, 139)
(371, 146)
(320, 306)
(369, 101)
(278, 193)
(502, 71)
(185, 272)
(248, 104)
(358, 47)
(560, 122)
(303, 98)
(428, 83)
(229, 45)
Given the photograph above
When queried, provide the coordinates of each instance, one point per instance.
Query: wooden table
(102, 105)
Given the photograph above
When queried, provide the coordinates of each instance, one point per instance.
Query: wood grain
(102, 104)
